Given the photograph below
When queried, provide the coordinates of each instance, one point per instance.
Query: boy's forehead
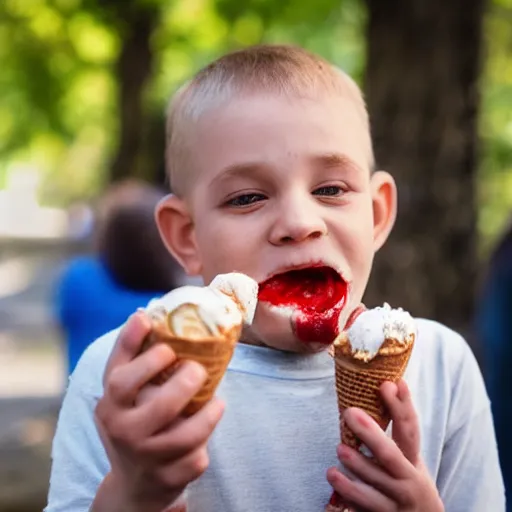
(256, 125)
(269, 128)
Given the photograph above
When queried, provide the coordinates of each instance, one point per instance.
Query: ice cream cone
(190, 338)
(358, 381)
(359, 376)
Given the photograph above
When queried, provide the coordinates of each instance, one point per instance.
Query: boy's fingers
(166, 403)
(367, 471)
(186, 434)
(129, 341)
(384, 449)
(132, 425)
(147, 393)
(359, 493)
(124, 382)
(405, 421)
(178, 474)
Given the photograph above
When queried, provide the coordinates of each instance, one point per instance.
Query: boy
(270, 159)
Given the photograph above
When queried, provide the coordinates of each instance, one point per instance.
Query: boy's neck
(254, 342)
(258, 360)
(258, 343)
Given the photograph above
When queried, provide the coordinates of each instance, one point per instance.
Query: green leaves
(495, 173)
(59, 109)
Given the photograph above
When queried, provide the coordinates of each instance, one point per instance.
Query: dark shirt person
(130, 266)
(494, 325)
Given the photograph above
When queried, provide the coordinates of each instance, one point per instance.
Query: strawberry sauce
(318, 294)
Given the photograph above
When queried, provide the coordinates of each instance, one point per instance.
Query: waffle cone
(358, 380)
(213, 352)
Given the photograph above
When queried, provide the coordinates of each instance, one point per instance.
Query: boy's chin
(273, 329)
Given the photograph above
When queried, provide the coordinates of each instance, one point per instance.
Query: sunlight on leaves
(248, 29)
(175, 67)
(22, 8)
(88, 99)
(185, 14)
(67, 5)
(93, 42)
(495, 172)
(210, 33)
(59, 90)
(6, 122)
(47, 24)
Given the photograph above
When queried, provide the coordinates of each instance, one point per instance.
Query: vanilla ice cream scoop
(202, 324)
(242, 289)
(374, 326)
(229, 300)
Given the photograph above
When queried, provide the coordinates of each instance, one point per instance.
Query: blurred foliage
(495, 173)
(59, 115)
(58, 83)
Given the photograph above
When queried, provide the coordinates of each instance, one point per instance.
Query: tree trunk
(422, 92)
(134, 70)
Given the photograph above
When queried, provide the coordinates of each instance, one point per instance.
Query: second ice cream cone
(375, 349)
(358, 381)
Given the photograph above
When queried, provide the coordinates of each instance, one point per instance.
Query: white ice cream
(216, 307)
(373, 326)
(243, 288)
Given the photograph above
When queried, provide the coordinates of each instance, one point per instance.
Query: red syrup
(318, 294)
(337, 502)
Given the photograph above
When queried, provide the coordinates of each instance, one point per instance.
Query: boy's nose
(297, 224)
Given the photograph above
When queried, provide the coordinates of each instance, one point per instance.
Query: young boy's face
(278, 185)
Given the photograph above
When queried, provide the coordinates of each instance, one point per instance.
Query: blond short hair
(278, 69)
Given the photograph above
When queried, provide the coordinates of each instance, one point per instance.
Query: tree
(134, 22)
(422, 89)
(137, 150)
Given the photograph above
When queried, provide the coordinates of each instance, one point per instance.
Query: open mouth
(311, 290)
(316, 294)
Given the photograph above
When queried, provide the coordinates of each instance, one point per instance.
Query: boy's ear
(177, 232)
(384, 199)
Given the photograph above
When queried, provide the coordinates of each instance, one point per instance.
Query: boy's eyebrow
(241, 169)
(329, 160)
(319, 161)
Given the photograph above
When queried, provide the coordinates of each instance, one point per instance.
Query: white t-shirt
(280, 430)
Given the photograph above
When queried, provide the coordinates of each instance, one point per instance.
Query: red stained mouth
(317, 293)
(310, 289)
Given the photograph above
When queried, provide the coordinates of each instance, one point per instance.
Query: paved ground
(27, 426)
(30, 394)
(31, 380)
(30, 370)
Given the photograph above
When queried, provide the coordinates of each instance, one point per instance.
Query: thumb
(129, 341)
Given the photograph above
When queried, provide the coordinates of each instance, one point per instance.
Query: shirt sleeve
(469, 477)
(79, 461)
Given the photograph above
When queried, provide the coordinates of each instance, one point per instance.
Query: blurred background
(83, 87)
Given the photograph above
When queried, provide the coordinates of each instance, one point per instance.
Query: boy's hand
(396, 480)
(153, 451)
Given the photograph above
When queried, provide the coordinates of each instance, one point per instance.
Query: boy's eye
(329, 190)
(245, 200)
